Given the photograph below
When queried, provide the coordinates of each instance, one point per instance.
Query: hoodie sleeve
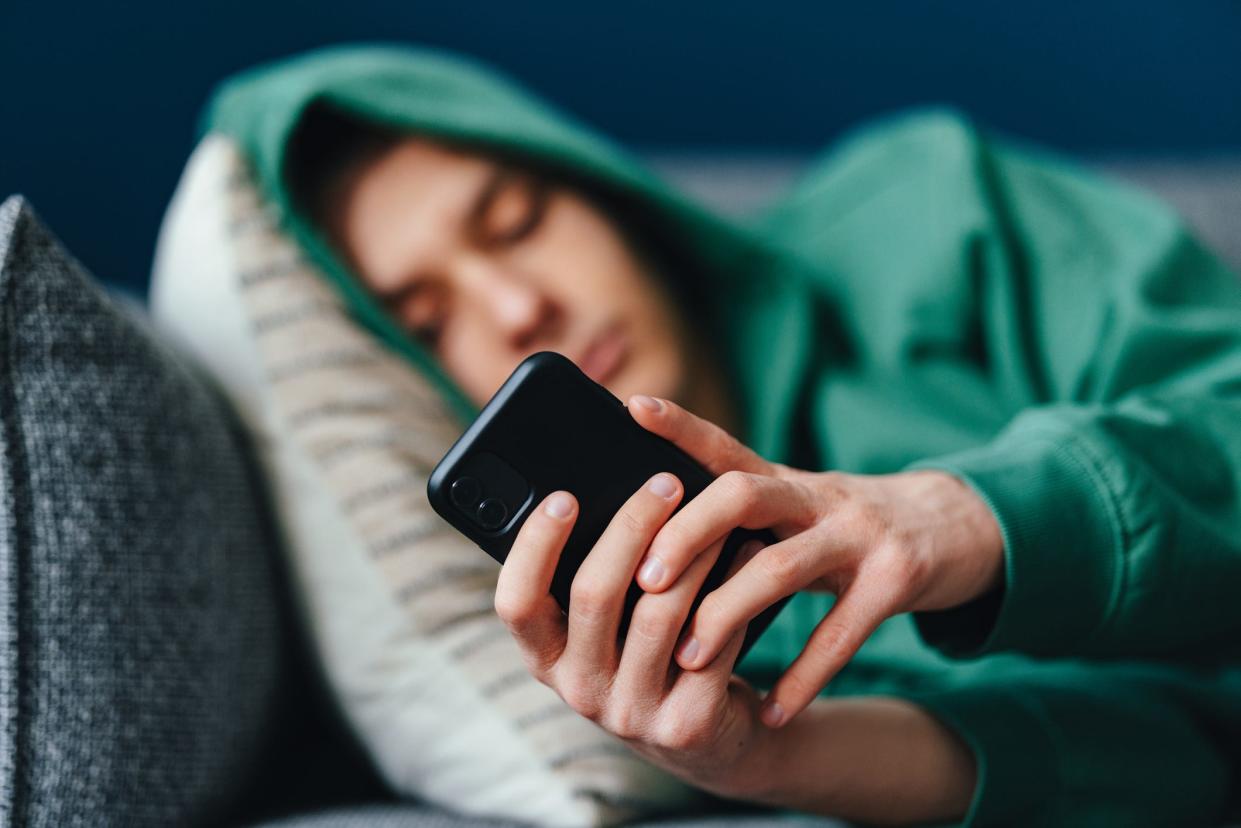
(1118, 492)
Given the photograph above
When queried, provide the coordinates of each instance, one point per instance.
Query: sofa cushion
(421, 816)
(399, 605)
(138, 624)
(1205, 190)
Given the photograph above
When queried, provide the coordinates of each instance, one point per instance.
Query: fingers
(654, 629)
(659, 618)
(706, 442)
(744, 555)
(523, 598)
(722, 665)
(776, 571)
(597, 595)
(736, 498)
(857, 613)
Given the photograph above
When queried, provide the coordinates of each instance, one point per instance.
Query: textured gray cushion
(138, 623)
(1206, 191)
(416, 816)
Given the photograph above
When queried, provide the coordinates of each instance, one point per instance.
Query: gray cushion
(138, 621)
(1206, 191)
(421, 816)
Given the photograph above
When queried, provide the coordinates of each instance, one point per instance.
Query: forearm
(877, 760)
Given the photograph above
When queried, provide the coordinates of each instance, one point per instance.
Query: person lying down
(989, 404)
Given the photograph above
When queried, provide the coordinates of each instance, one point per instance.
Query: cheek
(475, 359)
(580, 256)
(600, 278)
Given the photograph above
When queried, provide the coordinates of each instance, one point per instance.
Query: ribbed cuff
(1062, 544)
(1014, 751)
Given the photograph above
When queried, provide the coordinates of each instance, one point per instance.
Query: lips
(605, 355)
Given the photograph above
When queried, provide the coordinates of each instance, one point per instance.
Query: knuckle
(897, 564)
(879, 519)
(865, 513)
(538, 665)
(837, 480)
(671, 543)
(681, 732)
(828, 645)
(624, 721)
(630, 523)
(515, 612)
(780, 563)
(917, 572)
(711, 615)
(588, 597)
(742, 487)
(654, 622)
(897, 569)
(865, 521)
(581, 695)
(832, 486)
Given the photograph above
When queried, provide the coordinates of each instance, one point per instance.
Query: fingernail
(653, 571)
(663, 485)
(689, 650)
(649, 403)
(771, 714)
(559, 505)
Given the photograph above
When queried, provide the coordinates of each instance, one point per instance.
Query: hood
(756, 309)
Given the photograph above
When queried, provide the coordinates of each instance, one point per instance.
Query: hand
(701, 726)
(883, 544)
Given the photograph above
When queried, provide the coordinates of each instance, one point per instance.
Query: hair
(329, 147)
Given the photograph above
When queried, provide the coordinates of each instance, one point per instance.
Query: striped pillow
(399, 606)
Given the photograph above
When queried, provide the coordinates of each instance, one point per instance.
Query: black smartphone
(551, 427)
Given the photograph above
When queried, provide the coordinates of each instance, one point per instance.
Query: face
(486, 264)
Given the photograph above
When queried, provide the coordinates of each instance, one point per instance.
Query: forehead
(405, 205)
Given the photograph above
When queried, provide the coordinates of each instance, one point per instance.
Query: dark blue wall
(99, 99)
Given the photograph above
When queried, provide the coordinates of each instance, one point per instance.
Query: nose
(520, 309)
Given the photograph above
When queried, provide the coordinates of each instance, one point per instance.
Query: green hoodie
(929, 297)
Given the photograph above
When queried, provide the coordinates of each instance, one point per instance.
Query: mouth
(605, 355)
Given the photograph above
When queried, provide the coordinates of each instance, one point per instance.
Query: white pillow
(400, 606)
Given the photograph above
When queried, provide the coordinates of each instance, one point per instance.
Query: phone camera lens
(492, 512)
(465, 492)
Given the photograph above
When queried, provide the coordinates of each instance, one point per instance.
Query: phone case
(551, 427)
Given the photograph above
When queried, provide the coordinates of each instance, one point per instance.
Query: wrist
(968, 533)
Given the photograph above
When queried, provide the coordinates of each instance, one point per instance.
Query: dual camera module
(488, 491)
(467, 495)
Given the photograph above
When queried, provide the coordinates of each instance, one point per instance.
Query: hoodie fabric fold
(928, 296)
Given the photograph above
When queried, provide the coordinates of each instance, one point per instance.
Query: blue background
(100, 100)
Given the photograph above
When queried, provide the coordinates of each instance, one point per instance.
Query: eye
(422, 311)
(510, 208)
(428, 332)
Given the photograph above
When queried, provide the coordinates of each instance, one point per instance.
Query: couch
(151, 671)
